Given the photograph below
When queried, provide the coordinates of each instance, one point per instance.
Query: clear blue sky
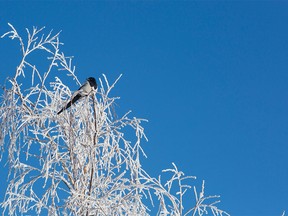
(211, 78)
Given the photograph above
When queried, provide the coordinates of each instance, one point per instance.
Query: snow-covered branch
(80, 162)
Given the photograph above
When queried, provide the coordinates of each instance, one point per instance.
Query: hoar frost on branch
(80, 162)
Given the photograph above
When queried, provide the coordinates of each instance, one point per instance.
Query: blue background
(211, 78)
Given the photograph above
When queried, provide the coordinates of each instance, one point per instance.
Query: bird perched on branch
(83, 91)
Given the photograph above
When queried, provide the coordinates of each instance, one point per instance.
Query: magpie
(83, 91)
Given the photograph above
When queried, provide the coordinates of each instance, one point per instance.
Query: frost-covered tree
(85, 161)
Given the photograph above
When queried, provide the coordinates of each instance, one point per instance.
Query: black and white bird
(83, 91)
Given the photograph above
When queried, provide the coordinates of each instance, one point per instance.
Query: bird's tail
(74, 99)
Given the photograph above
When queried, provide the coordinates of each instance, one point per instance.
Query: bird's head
(92, 82)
